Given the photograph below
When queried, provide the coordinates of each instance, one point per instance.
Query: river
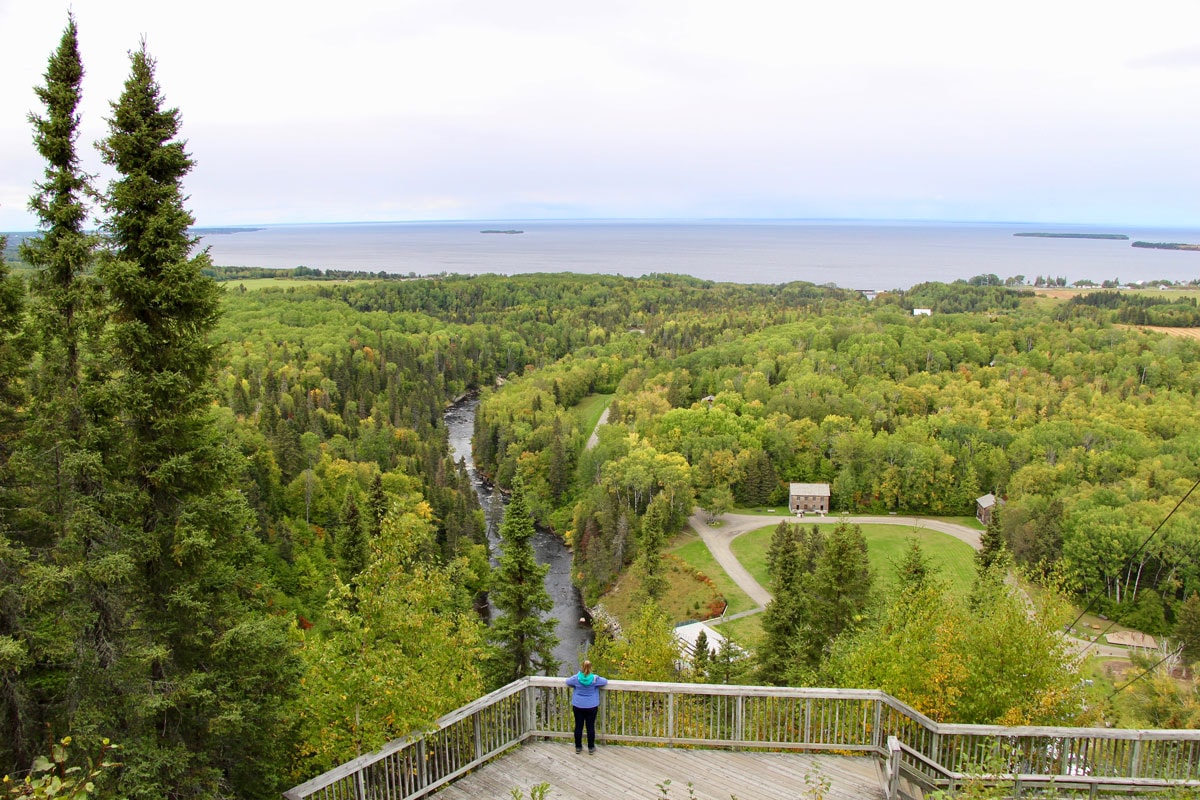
(548, 548)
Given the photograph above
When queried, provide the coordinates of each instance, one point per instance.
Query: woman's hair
(586, 667)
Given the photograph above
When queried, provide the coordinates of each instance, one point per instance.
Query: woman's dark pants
(585, 715)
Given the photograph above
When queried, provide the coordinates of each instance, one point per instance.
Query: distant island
(502, 231)
(221, 231)
(1075, 235)
(1167, 245)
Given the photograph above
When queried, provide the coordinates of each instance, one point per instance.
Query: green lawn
(954, 560)
(589, 409)
(692, 551)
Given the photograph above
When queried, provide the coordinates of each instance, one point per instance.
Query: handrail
(778, 718)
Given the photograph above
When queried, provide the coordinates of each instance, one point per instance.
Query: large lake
(855, 255)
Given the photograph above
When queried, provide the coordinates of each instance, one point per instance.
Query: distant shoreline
(1167, 245)
(1119, 236)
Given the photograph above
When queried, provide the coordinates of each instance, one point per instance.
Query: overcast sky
(369, 110)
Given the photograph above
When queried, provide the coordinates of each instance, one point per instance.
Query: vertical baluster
(807, 720)
(670, 715)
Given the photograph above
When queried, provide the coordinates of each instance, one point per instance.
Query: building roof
(1132, 639)
(987, 501)
(821, 489)
(688, 633)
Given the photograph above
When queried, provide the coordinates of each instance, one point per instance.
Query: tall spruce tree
(840, 589)
(523, 636)
(48, 466)
(198, 686)
(63, 253)
(791, 559)
(822, 583)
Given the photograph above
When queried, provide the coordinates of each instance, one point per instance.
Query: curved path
(718, 541)
(594, 439)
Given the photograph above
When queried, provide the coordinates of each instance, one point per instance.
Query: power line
(1129, 562)
(1150, 669)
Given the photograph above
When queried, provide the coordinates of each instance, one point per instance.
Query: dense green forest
(232, 541)
(1088, 430)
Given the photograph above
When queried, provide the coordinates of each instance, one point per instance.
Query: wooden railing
(918, 753)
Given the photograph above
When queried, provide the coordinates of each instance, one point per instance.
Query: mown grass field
(691, 550)
(589, 409)
(697, 582)
(954, 560)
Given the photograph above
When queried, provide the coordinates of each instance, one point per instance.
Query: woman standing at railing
(585, 701)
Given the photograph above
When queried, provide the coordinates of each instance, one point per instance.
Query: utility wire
(1129, 562)
(1150, 669)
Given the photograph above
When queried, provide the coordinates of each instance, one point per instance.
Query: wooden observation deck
(750, 742)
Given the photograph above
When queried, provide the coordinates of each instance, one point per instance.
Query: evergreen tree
(729, 664)
(759, 481)
(63, 252)
(352, 545)
(523, 637)
(914, 572)
(783, 538)
(788, 610)
(840, 589)
(199, 670)
(48, 470)
(992, 550)
(377, 506)
(700, 657)
(822, 584)
(559, 472)
(651, 569)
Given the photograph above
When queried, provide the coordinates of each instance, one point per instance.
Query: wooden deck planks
(636, 772)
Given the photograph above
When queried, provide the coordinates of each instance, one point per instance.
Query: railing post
(478, 726)
(523, 712)
(893, 771)
(1135, 765)
(360, 790)
(876, 730)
